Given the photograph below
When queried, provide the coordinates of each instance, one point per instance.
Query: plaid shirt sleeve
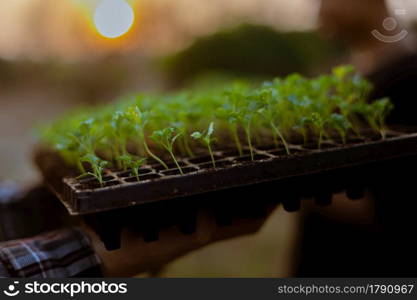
(58, 254)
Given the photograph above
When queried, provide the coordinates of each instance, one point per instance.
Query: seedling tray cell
(336, 166)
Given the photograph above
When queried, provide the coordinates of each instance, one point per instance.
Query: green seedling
(376, 113)
(120, 128)
(82, 141)
(271, 112)
(133, 164)
(318, 122)
(230, 116)
(166, 138)
(183, 143)
(246, 116)
(186, 117)
(207, 139)
(70, 151)
(140, 120)
(297, 109)
(231, 111)
(122, 134)
(341, 124)
(382, 109)
(97, 166)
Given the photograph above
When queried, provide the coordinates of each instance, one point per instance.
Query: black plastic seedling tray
(121, 189)
(237, 187)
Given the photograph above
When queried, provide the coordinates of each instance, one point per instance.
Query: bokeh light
(113, 18)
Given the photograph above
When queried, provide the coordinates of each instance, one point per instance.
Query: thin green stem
(187, 147)
(154, 156)
(354, 127)
(278, 132)
(98, 175)
(175, 161)
(237, 140)
(211, 155)
(80, 166)
(136, 172)
(256, 139)
(383, 133)
(145, 144)
(382, 129)
(275, 138)
(249, 139)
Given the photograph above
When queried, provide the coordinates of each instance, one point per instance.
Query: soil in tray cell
(143, 178)
(94, 184)
(284, 154)
(324, 146)
(159, 167)
(186, 170)
(203, 159)
(125, 174)
(234, 153)
(248, 158)
(219, 164)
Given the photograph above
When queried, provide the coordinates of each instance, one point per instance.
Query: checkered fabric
(58, 254)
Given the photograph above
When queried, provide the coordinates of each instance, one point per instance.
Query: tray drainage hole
(130, 173)
(248, 158)
(219, 164)
(186, 170)
(143, 178)
(202, 159)
(170, 166)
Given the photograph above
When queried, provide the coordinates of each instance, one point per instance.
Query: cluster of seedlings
(158, 129)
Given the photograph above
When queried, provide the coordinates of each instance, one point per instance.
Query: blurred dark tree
(87, 81)
(251, 50)
(7, 73)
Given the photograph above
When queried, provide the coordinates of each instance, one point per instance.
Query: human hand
(136, 256)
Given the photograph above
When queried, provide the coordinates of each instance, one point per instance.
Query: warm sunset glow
(113, 18)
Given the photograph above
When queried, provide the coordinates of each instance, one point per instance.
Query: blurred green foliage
(251, 51)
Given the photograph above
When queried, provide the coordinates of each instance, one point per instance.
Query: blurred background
(58, 55)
